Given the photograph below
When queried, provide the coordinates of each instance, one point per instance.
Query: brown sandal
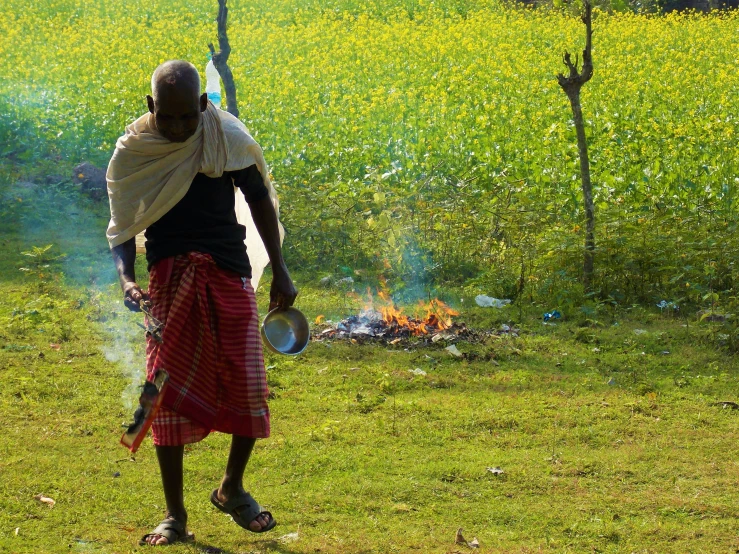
(243, 509)
(170, 529)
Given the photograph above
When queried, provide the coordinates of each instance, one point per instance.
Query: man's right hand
(124, 256)
(133, 295)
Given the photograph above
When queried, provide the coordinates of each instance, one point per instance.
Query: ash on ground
(369, 326)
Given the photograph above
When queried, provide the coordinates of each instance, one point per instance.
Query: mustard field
(428, 140)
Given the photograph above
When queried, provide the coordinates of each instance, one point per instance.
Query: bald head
(175, 99)
(178, 75)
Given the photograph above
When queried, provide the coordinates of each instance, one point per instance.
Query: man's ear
(150, 103)
(204, 102)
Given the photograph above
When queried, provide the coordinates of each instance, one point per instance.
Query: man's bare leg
(233, 480)
(170, 466)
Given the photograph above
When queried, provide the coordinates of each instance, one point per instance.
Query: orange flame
(438, 316)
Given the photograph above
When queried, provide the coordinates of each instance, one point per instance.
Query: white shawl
(149, 174)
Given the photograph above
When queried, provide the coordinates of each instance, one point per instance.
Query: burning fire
(438, 316)
(382, 319)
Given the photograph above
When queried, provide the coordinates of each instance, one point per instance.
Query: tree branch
(220, 59)
(587, 54)
(567, 59)
(576, 79)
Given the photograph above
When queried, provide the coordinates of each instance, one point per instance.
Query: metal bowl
(285, 331)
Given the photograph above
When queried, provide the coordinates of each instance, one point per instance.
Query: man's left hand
(282, 294)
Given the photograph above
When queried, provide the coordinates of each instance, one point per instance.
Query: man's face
(177, 112)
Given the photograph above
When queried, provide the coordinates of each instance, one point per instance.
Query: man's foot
(240, 505)
(169, 531)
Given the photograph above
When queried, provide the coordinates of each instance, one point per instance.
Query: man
(173, 173)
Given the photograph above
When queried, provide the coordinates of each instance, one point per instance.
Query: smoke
(415, 272)
(89, 265)
(49, 209)
(41, 206)
(125, 348)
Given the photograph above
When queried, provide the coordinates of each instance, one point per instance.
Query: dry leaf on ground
(45, 500)
(459, 539)
(290, 537)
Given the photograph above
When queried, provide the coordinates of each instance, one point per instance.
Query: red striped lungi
(212, 350)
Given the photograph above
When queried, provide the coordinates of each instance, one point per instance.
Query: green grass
(365, 456)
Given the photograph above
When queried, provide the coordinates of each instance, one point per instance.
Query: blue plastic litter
(552, 315)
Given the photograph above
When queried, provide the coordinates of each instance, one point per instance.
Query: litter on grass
(489, 302)
(454, 351)
(554, 314)
(726, 404)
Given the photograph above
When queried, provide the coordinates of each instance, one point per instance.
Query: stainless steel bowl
(285, 331)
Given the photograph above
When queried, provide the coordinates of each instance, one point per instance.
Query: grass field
(605, 426)
(425, 143)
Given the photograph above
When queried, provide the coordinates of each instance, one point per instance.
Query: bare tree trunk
(571, 84)
(220, 60)
(587, 192)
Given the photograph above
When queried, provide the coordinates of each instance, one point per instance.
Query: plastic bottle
(213, 82)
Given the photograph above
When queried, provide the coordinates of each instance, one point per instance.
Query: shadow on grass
(266, 546)
(204, 548)
(276, 546)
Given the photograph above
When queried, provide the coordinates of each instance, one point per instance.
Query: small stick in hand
(154, 327)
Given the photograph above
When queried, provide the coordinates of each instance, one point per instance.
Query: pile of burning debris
(390, 325)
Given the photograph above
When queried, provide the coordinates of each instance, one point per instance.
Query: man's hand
(282, 294)
(124, 256)
(133, 295)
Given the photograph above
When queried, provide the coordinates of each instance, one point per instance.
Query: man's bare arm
(283, 291)
(124, 256)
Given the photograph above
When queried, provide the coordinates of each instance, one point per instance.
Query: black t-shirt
(204, 220)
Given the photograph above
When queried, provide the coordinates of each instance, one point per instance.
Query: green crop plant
(428, 142)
